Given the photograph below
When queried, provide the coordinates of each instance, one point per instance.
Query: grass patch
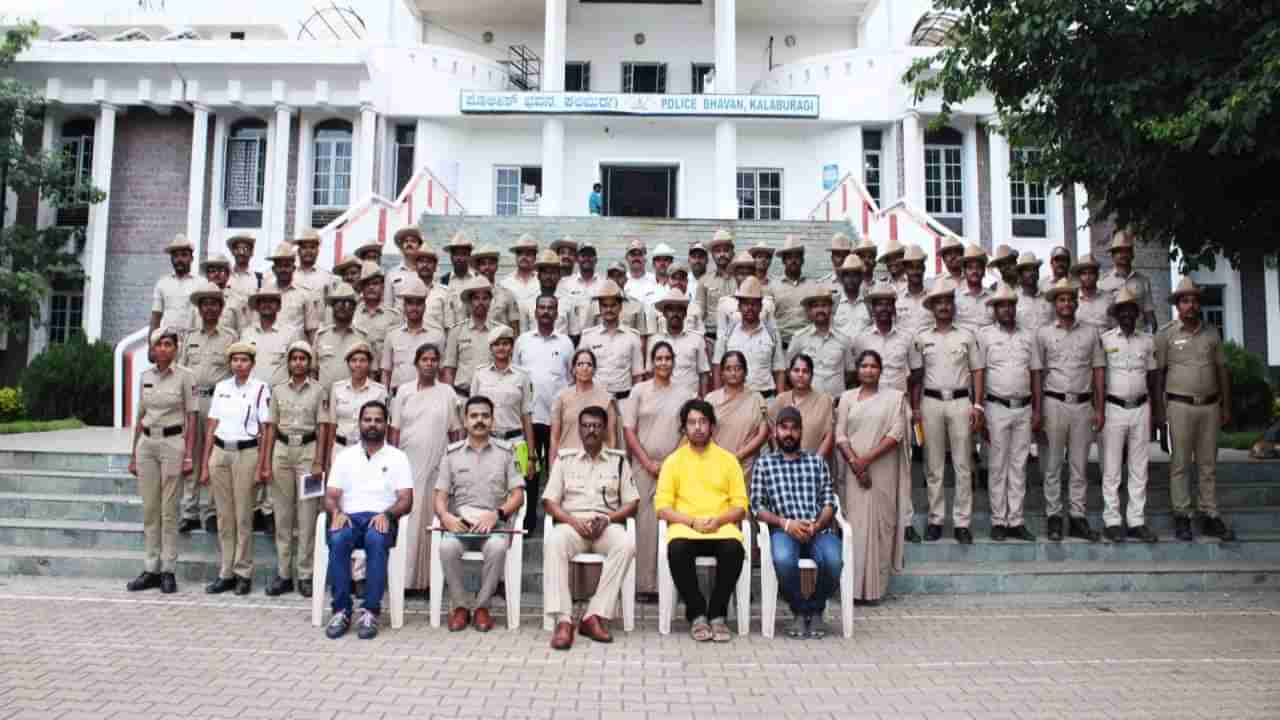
(35, 426)
(1239, 440)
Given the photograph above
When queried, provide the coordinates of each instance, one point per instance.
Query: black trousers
(729, 555)
(541, 447)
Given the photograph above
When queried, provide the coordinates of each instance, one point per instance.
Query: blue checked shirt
(797, 489)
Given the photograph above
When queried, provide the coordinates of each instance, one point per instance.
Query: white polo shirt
(369, 484)
(239, 409)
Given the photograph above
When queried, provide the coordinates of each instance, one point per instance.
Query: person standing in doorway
(595, 201)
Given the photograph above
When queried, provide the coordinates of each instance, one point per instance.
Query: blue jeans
(360, 535)
(824, 549)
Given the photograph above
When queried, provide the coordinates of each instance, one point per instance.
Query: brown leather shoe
(562, 638)
(482, 621)
(459, 619)
(596, 628)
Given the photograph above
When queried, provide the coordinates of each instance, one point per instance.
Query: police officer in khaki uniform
(314, 280)
(852, 315)
(972, 311)
(590, 496)
(271, 338)
(762, 257)
(334, 340)
(566, 248)
(297, 307)
(370, 252)
(1123, 275)
(204, 353)
(1132, 388)
(468, 344)
(508, 387)
(162, 445)
(891, 258)
(952, 254)
(347, 271)
(946, 382)
(1034, 311)
(409, 240)
(1012, 407)
(459, 250)
(403, 342)
(790, 292)
(1005, 262)
(436, 316)
(913, 316)
(1072, 389)
(547, 266)
(235, 307)
(830, 349)
(1059, 268)
(373, 316)
(243, 280)
(692, 368)
(866, 252)
(721, 281)
(523, 281)
(727, 315)
(841, 248)
(695, 310)
(503, 308)
(171, 300)
(341, 420)
(755, 340)
(1095, 303)
(1197, 390)
(619, 349)
(293, 444)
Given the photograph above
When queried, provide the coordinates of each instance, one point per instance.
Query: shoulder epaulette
(456, 446)
(569, 452)
(615, 452)
(499, 442)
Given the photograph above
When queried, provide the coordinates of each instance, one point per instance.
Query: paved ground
(78, 648)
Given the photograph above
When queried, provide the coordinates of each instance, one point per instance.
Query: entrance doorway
(639, 191)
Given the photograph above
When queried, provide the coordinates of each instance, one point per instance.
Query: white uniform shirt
(239, 409)
(369, 484)
(548, 360)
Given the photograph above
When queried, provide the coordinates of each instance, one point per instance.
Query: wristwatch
(502, 515)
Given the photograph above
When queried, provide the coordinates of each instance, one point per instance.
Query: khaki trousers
(493, 548)
(1193, 436)
(191, 490)
(288, 464)
(558, 549)
(1008, 449)
(233, 475)
(159, 480)
(946, 424)
(1132, 428)
(1069, 428)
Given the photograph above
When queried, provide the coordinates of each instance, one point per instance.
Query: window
(1213, 309)
(77, 150)
(700, 72)
(644, 77)
(872, 162)
(944, 178)
(516, 190)
(759, 194)
(405, 138)
(66, 315)
(331, 179)
(1030, 217)
(577, 77)
(246, 176)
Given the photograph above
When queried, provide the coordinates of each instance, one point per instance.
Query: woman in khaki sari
(573, 400)
(742, 418)
(815, 407)
(652, 432)
(871, 437)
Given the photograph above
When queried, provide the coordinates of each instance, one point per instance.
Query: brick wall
(985, 237)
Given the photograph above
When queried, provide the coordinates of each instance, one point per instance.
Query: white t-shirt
(369, 484)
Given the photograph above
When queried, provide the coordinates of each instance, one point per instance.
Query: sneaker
(817, 628)
(798, 627)
(367, 625)
(338, 625)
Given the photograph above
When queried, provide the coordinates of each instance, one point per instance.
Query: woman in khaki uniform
(652, 434)
(162, 443)
(572, 400)
(340, 421)
(742, 421)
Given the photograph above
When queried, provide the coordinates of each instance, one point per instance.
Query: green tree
(32, 259)
(1167, 111)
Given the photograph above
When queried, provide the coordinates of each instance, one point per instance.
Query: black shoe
(1182, 528)
(998, 533)
(244, 586)
(963, 536)
(186, 526)
(1114, 533)
(168, 583)
(1078, 527)
(304, 588)
(211, 525)
(1215, 527)
(259, 521)
(1020, 532)
(145, 581)
(1055, 528)
(910, 535)
(221, 585)
(1142, 533)
(933, 533)
(337, 626)
(279, 586)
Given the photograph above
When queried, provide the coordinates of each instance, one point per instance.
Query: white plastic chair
(511, 573)
(396, 568)
(628, 591)
(667, 585)
(769, 578)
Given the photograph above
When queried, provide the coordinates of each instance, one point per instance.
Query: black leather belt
(766, 394)
(1016, 403)
(238, 445)
(1069, 398)
(303, 439)
(170, 431)
(1127, 404)
(203, 391)
(622, 395)
(340, 440)
(947, 394)
(1193, 399)
(510, 434)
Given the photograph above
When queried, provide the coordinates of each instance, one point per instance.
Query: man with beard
(952, 255)
(790, 292)
(468, 344)
(913, 316)
(297, 311)
(692, 368)
(372, 314)
(333, 341)
(721, 283)
(828, 347)
(1123, 275)
(370, 487)
(403, 341)
(851, 315)
(243, 280)
(171, 301)
(1059, 268)
(308, 276)
(548, 270)
(1095, 303)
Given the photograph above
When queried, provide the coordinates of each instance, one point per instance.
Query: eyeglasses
(591, 425)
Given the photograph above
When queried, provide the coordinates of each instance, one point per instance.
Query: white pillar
(913, 159)
(726, 176)
(275, 225)
(726, 47)
(553, 48)
(552, 202)
(1001, 208)
(217, 202)
(46, 215)
(365, 152)
(104, 140)
(195, 192)
(306, 151)
(969, 173)
(1084, 242)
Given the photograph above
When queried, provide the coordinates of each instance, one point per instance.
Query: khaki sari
(424, 417)
(815, 410)
(737, 420)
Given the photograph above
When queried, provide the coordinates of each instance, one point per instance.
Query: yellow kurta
(701, 484)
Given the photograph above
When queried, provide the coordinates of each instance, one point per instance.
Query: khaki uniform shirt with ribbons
(1190, 359)
(832, 357)
(619, 356)
(895, 350)
(789, 311)
(1129, 359)
(1010, 357)
(948, 358)
(270, 362)
(331, 352)
(172, 299)
(1137, 283)
(467, 349)
(402, 344)
(297, 411)
(342, 407)
(205, 355)
(585, 486)
(478, 480)
(511, 392)
(1068, 356)
(166, 398)
(377, 324)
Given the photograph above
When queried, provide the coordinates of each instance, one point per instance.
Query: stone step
(111, 536)
(60, 506)
(73, 461)
(1088, 576)
(1264, 518)
(1253, 547)
(1233, 495)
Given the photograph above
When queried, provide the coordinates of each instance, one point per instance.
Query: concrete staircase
(77, 514)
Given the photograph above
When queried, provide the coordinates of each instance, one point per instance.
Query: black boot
(1079, 528)
(963, 536)
(280, 586)
(1114, 533)
(221, 585)
(1020, 532)
(168, 583)
(1055, 528)
(933, 533)
(1142, 533)
(145, 581)
(910, 535)
(998, 533)
(1182, 528)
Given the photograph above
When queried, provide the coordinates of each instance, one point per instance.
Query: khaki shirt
(693, 320)
(586, 486)
(1190, 359)
(1068, 356)
(895, 350)
(342, 407)
(205, 355)
(480, 480)
(1137, 283)
(634, 315)
(457, 311)
(948, 358)
(832, 357)
(790, 313)
(972, 312)
(1095, 310)
(438, 314)
(270, 364)
(166, 397)
(619, 356)
(317, 282)
(718, 287)
(1048, 282)
(574, 292)
(1010, 357)
(297, 411)
(1033, 311)
(912, 315)
(172, 299)
(466, 350)
(763, 350)
(376, 324)
(235, 312)
(331, 352)
(691, 362)
(504, 308)
(851, 317)
(244, 282)
(1129, 359)
(402, 344)
(511, 392)
(394, 281)
(298, 310)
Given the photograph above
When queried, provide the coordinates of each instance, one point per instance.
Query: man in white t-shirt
(370, 488)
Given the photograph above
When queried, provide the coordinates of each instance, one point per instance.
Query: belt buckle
(295, 439)
(1199, 400)
(1072, 398)
(947, 395)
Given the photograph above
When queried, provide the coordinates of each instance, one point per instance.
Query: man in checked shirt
(791, 493)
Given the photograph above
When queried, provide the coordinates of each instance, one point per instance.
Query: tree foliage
(1165, 110)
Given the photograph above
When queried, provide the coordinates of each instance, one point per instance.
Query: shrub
(71, 379)
(11, 406)
(1251, 395)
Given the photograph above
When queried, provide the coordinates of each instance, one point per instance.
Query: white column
(1084, 243)
(275, 224)
(104, 140)
(553, 48)
(306, 150)
(726, 176)
(726, 46)
(46, 215)
(913, 159)
(195, 192)
(1272, 281)
(1001, 210)
(217, 204)
(552, 202)
(969, 171)
(365, 152)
